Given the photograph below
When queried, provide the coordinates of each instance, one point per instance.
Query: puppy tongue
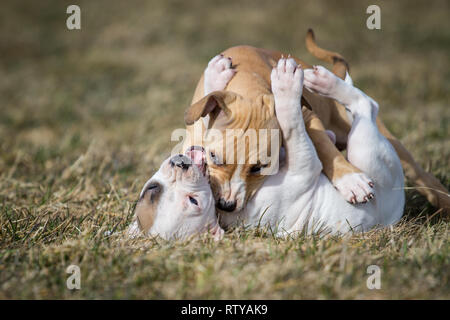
(197, 156)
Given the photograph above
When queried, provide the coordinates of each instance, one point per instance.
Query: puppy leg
(215, 78)
(345, 177)
(301, 156)
(218, 73)
(370, 151)
(354, 186)
(367, 148)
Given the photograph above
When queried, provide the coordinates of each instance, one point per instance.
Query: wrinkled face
(242, 145)
(177, 202)
(238, 165)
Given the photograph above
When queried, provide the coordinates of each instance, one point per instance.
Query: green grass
(86, 118)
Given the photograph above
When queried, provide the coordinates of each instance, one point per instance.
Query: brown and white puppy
(246, 102)
(239, 100)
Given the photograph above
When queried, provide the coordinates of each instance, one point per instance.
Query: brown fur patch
(245, 114)
(146, 209)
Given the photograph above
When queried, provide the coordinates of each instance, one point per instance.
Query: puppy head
(242, 143)
(177, 202)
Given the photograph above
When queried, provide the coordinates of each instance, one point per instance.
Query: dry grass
(86, 117)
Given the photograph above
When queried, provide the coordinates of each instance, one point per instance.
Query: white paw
(287, 80)
(218, 73)
(320, 80)
(355, 188)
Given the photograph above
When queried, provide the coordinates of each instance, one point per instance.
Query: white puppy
(299, 197)
(177, 202)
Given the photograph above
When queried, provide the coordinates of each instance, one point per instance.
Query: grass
(86, 118)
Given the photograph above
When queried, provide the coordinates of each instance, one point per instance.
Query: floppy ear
(213, 104)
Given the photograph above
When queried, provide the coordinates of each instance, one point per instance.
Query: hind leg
(370, 151)
(367, 148)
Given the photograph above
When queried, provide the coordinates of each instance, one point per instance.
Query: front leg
(218, 73)
(355, 187)
(216, 77)
(301, 156)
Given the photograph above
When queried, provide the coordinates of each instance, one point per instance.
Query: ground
(86, 118)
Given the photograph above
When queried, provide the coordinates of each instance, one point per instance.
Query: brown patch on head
(218, 175)
(147, 206)
(246, 115)
(264, 119)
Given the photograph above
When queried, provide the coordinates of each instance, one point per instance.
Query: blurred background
(124, 79)
(86, 115)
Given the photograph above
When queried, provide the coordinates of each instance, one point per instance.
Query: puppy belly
(335, 215)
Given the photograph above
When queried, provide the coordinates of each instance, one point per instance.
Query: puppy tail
(340, 66)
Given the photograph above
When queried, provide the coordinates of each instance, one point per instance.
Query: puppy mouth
(197, 155)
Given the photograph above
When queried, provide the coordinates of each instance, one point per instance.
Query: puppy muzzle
(180, 161)
(225, 205)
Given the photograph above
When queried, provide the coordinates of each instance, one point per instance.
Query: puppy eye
(153, 186)
(214, 158)
(193, 200)
(255, 169)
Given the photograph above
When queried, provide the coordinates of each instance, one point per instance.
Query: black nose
(180, 161)
(226, 205)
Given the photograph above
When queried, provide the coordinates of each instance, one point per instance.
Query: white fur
(354, 187)
(218, 73)
(348, 79)
(216, 77)
(176, 217)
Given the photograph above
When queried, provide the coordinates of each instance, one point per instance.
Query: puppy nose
(180, 161)
(226, 205)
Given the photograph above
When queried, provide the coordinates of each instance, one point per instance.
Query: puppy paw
(218, 73)
(287, 80)
(355, 187)
(321, 81)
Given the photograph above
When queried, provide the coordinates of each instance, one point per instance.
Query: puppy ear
(217, 232)
(213, 104)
